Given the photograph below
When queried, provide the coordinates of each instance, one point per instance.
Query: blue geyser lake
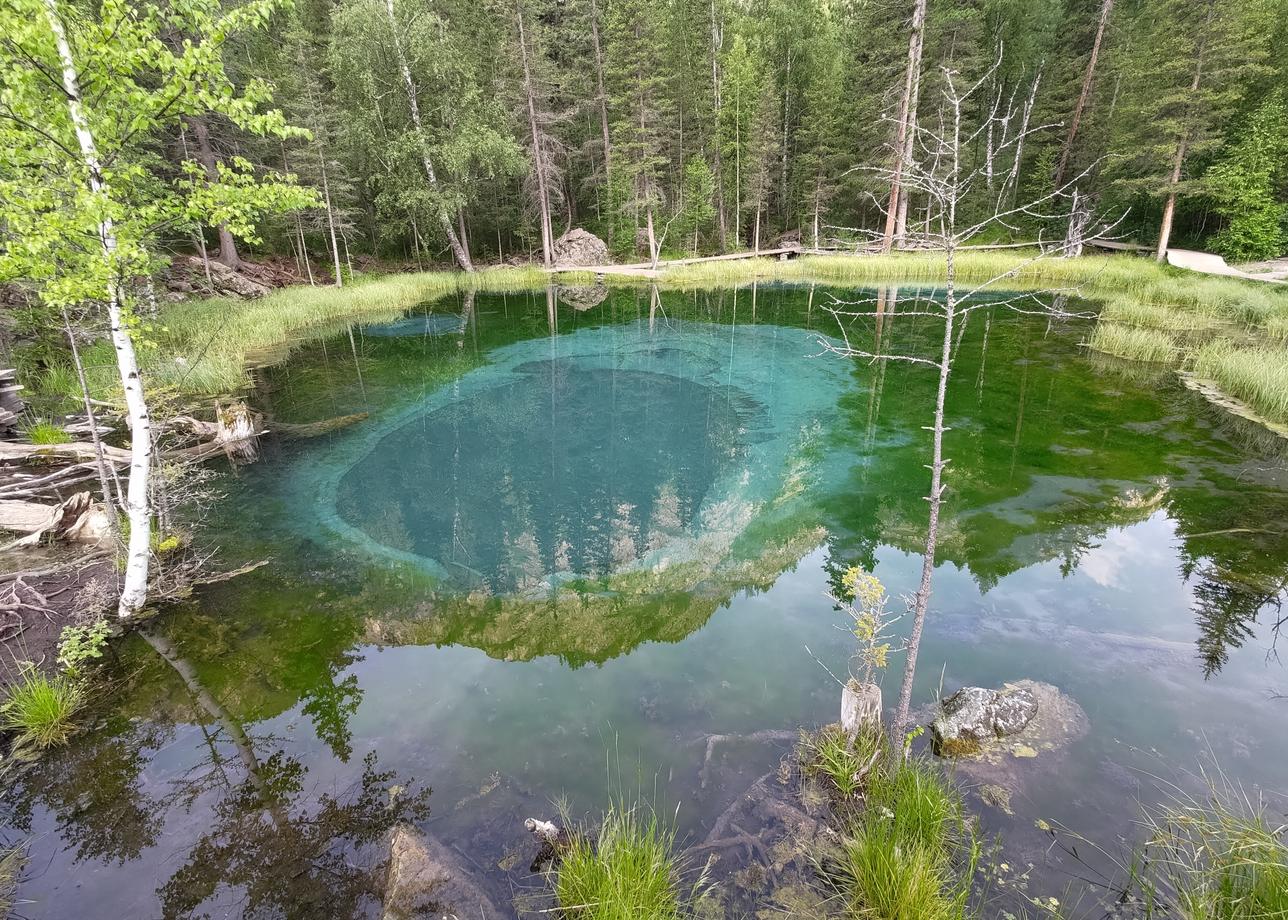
(568, 545)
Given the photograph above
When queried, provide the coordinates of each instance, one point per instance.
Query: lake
(578, 532)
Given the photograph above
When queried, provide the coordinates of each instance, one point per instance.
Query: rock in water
(973, 715)
(426, 879)
(580, 247)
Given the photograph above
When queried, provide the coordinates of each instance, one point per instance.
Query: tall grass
(911, 853)
(629, 873)
(204, 345)
(1133, 343)
(1255, 375)
(41, 709)
(12, 862)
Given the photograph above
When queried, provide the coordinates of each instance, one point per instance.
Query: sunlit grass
(1257, 376)
(41, 709)
(43, 432)
(1134, 343)
(628, 873)
(203, 345)
(830, 753)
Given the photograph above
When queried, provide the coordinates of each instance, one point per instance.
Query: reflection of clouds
(1147, 544)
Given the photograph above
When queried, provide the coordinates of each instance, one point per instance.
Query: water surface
(569, 543)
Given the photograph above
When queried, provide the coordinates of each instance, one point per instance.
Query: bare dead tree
(963, 200)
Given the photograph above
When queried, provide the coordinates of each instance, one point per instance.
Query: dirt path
(1210, 264)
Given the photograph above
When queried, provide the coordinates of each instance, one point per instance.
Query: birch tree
(80, 212)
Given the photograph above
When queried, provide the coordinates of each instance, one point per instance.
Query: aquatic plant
(1258, 376)
(79, 646)
(40, 709)
(1134, 343)
(12, 862)
(1220, 857)
(628, 873)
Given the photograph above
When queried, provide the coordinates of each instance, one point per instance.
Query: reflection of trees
(94, 790)
(286, 855)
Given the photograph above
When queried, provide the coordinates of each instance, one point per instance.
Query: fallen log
(79, 519)
(75, 450)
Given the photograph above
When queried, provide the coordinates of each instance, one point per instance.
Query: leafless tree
(962, 200)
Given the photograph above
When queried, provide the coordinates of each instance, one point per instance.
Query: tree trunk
(602, 97)
(903, 131)
(538, 158)
(652, 239)
(1084, 96)
(921, 600)
(717, 41)
(228, 254)
(134, 590)
(1178, 160)
(413, 102)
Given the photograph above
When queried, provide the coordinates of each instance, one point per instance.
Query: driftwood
(76, 450)
(79, 519)
(314, 429)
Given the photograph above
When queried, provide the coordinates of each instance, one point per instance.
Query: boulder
(974, 715)
(580, 247)
(582, 296)
(427, 879)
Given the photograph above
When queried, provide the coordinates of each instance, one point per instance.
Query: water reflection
(1104, 531)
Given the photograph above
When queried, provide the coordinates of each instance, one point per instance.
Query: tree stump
(860, 708)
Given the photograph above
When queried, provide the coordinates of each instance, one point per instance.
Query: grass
(1257, 375)
(911, 853)
(908, 850)
(12, 862)
(42, 432)
(203, 346)
(829, 753)
(629, 873)
(1133, 343)
(1223, 857)
(41, 709)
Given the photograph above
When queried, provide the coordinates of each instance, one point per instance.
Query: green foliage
(81, 646)
(40, 709)
(628, 873)
(42, 432)
(697, 217)
(1244, 183)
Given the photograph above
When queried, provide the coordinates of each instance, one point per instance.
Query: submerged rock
(974, 715)
(580, 247)
(426, 879)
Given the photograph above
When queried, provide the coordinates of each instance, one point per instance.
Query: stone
(427, 879)
(974, 715)
(580, 247)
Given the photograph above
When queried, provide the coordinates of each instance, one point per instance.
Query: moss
(957, 747)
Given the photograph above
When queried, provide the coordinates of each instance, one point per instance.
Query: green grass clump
(1224, 857)
(1134, 343)
(41, 709)
(829, 753)
(630, 873)
(1257, 376)
(911, 853)
(41, 432)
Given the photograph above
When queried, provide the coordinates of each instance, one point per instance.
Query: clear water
(568, 545)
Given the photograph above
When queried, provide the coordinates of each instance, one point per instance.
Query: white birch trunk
(134, 590)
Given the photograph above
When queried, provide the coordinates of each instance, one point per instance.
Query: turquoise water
(566, 546)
